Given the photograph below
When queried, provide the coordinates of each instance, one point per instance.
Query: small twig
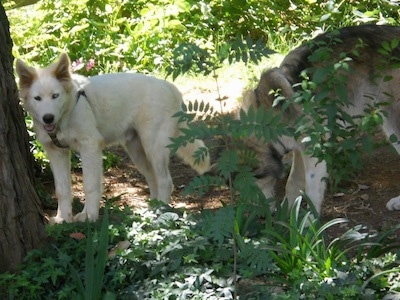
(235, 257)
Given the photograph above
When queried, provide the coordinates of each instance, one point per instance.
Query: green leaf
(228, 163)
(393, 139)
(78, 28)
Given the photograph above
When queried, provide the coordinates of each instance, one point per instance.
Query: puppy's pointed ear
(25, 73)
(62, 68)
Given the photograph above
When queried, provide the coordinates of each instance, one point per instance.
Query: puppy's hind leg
(159, 162)
(134, 148)
(157, 153)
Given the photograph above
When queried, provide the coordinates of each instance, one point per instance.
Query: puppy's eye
(55, 96)
(37, 98)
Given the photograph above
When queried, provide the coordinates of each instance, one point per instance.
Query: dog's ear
(26, 74)
(248, 98)
(282, 83)
(273, 80)
(62, 68)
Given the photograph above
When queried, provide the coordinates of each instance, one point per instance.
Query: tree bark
(21, 221)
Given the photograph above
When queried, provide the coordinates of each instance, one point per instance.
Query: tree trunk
(21, 222)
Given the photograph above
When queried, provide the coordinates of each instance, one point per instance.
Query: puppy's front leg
(295, 184)
(60, 163)
(92, 168)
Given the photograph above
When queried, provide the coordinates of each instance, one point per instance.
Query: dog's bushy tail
(186, 154)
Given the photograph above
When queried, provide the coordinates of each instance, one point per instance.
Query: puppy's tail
(186, 153)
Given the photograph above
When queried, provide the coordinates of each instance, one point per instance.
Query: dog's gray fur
(365, 83)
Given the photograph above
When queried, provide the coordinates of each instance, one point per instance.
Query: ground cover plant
(212, 255)
(240, 250)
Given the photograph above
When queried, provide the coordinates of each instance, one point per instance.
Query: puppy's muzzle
(48, 120)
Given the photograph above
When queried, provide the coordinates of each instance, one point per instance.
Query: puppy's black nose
(48, 118)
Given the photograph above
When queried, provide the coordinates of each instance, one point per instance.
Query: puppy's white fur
(129, 109)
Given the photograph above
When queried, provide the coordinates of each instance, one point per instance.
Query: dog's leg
(92, 167)
(154, 143)
(60, 164)
(315, 172)
(391, 125)
(159, 162)
(158, 155)
(134, 148)
(393, 204)
(267, 185)
(296, 181)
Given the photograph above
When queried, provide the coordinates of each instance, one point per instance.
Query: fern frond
(219, 225)
(203, 184)
(228, 163)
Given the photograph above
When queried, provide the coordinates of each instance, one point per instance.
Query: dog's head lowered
(46, 92)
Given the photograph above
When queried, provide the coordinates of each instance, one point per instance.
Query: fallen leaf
(363, 187)
(120, 246)
(77, 235)
(338, 195)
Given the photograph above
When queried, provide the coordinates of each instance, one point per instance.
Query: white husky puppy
(86, 114)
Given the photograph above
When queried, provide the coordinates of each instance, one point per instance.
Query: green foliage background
(181, 35)
(174, 256)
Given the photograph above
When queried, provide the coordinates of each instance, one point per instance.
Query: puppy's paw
(83, 216)
(393, 204)
(80, 217)
(58, 220)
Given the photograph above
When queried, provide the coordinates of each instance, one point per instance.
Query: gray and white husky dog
(366, 85)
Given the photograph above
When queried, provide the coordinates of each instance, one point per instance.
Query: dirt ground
(363, 202)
